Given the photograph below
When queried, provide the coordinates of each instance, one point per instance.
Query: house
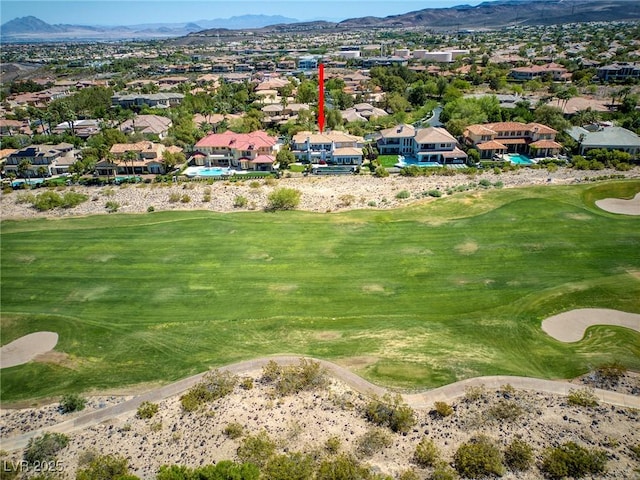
(307, 63)
(491, 139)
(157, 100)
(148, 125)
(362, 112)
(135, 159)
(431, 144)
(14, 127)
(81, 128)
(397, 140)
(555, 71)
(619, 71)
(247, 151)
(43, 160)
(606, 137)
(332, 148)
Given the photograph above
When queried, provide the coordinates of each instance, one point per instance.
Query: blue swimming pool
(519, 159)
(208, 171)
(412, 161)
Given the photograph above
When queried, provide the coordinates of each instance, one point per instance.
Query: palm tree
(24, 168)
(130, 156)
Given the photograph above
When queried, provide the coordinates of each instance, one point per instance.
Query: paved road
(415, 400)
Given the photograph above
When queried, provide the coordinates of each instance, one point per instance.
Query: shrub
(372, 441)
(332, 445)
(583, 397)
(471, 393)
(498, 184)
(484, 183)
(233, 430)
(45, 447)
(72, 403)
(635, 450)
(609, 374)
(174, 197)
(246, 383)
(47, 201)
(572, 460)
(381, 172)
(155, 427)
(342, 467)
(443, 472)
(409, 475)
(443, 409)
(518, 455)
(240, 201)
(504, 410)
(283, 199)
(271, 372)
(256, 449)
(185, 198)
(434, 193)
(73, 199)
(147, 410)
(402, 194)
(151, 209)
(478, 458)
(426, 453)
(390, 412)
(214, 385)
(112, 206)
(292, 466)
(306, 375)
(105, 467)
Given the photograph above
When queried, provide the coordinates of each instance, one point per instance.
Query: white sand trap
(570, 326)
(619, 205)
(26, 348)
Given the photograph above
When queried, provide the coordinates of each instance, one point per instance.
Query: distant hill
(32, 29)
(508, 12)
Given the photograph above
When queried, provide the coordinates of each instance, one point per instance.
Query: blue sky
(127, 12)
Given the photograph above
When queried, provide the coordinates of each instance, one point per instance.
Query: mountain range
(494, 14)
(32, 29)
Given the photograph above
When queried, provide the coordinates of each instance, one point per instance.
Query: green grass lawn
(388, 161)
(410, 298)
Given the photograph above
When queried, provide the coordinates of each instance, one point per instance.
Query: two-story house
(247, 151)
(495, 139)
(40, 160)
(135, 159)
(422, 145)
(331, 148)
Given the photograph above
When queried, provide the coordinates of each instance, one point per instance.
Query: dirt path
(417, 400)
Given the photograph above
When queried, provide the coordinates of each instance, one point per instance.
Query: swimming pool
(208, 171)
(412, 161)
(518, 159)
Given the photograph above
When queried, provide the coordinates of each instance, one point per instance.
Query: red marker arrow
(321, 97)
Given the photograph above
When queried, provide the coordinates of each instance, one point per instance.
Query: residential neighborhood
(434, 100)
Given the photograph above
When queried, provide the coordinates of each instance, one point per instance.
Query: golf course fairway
(410, 298)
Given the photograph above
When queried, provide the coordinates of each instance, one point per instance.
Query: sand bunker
(619, 205)
(26, 348)
(570, 326)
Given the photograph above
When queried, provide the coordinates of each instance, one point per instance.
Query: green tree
(24, 168)
(285, 158)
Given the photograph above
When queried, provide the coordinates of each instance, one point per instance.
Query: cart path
(422, 400)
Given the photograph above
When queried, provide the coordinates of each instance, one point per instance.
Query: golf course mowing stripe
(158, 299)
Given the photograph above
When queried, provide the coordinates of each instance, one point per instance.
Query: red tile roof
(238, 141)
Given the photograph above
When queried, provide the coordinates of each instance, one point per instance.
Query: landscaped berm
(411, 298)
